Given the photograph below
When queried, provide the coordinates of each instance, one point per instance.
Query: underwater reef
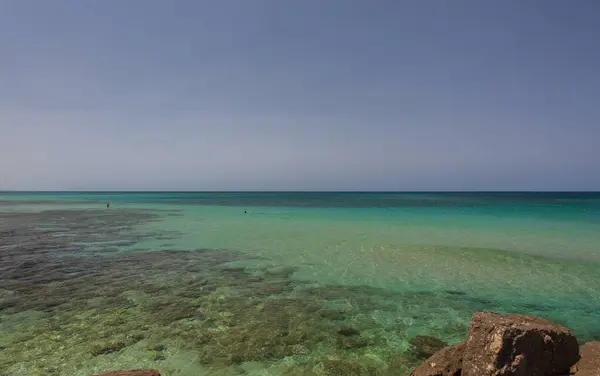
(73, 302)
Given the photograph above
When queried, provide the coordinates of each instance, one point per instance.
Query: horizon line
(298, 191)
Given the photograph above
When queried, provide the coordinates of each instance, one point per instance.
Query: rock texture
(517, 345)
(514, 345)
(589, 364)
(446, 362)
(133, 372)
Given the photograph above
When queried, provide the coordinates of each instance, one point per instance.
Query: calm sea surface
(281, 283)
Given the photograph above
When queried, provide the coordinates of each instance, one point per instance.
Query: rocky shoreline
(507, 345)
(514, 345)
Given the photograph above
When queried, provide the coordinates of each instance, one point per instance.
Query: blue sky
(312, 94)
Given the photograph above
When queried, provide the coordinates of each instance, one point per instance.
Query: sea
(282, 283)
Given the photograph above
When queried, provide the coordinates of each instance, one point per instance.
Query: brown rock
(517, 345)
(589, 364)
(133, 372)
(446, 362)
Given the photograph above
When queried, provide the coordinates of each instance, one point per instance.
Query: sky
(299, 95)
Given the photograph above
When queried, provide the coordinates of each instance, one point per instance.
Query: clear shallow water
(288, 266)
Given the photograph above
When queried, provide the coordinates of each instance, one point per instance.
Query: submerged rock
(334, 314)
(517, 345)
(158, 347)
(353, 342)
(107, 348)
(589, 364)
(281, 271)
(347, 330)
(426, 346)
(133, 372)
(272, 330)
(446, 362)
(401, 364)
(340, 367)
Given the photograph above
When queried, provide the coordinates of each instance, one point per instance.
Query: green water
(426, 261)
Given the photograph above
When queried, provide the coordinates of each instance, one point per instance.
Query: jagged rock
(426, 346)
(517, 345)
(589, 364)
(446, 362)
(133, 372)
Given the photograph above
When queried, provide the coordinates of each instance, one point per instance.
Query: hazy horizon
(300, 191)
(299, 96)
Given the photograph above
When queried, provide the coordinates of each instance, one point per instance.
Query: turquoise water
(393, 265)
